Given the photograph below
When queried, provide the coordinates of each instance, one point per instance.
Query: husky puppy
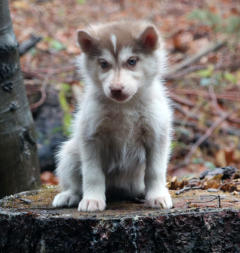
(122, 129)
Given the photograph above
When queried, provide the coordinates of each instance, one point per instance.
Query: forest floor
(205, 93)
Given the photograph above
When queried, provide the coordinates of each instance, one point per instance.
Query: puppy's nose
(116, 89)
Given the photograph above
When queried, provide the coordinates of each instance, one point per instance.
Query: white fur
(124, 145)
(114, 42)
(125, 53)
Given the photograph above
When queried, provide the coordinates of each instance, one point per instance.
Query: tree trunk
(19, 169)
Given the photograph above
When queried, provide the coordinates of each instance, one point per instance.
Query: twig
(43, 95)
(25, 46)
(184, 72)
(214, 197)
(193, 116)
(181, 100)
(204, 137)
(195, 58)
(188, 188)
(219, 110)
(232, 66)
(25, 201)
(32, 75)
(57, 70)
(180, 109)
(233, 120)
(214, 100)
(233, 96)
(219, 201)
(178, 122)
(230, 131)
(41, 100)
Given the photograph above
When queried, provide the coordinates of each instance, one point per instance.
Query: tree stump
(200, 221)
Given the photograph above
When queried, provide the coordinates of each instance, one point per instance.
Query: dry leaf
(228, 187)
(48, 177)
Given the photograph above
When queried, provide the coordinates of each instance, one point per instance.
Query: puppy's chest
(127, 127)
(122, 138)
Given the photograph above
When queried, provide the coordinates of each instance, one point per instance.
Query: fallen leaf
(48, 177)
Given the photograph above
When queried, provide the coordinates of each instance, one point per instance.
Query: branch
(25, 46)
(180, 100)
(193, 59)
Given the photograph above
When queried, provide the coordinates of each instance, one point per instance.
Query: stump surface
(200, 221)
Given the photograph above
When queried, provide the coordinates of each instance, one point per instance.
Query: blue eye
(104, 64)
(132, 61)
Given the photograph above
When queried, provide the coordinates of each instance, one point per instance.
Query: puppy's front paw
(160, 200)
(66, 198)
(91, 205)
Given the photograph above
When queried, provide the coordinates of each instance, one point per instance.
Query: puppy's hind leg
(69, 174)
(137, 185)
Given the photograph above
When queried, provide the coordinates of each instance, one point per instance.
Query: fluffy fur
(122, 129)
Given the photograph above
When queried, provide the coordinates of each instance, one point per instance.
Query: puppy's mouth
(119, 96)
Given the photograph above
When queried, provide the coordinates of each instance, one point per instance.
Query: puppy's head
(121, 58)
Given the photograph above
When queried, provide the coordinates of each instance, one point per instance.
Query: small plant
(211, 77)
(80, 1)
(54, 44)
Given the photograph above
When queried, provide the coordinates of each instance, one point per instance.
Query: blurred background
(202, 39)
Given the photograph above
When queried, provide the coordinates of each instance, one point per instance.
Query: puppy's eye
(103, 63)
(132, 61)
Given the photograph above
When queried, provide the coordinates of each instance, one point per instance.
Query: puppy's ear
(86, 42)
(149, 39)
